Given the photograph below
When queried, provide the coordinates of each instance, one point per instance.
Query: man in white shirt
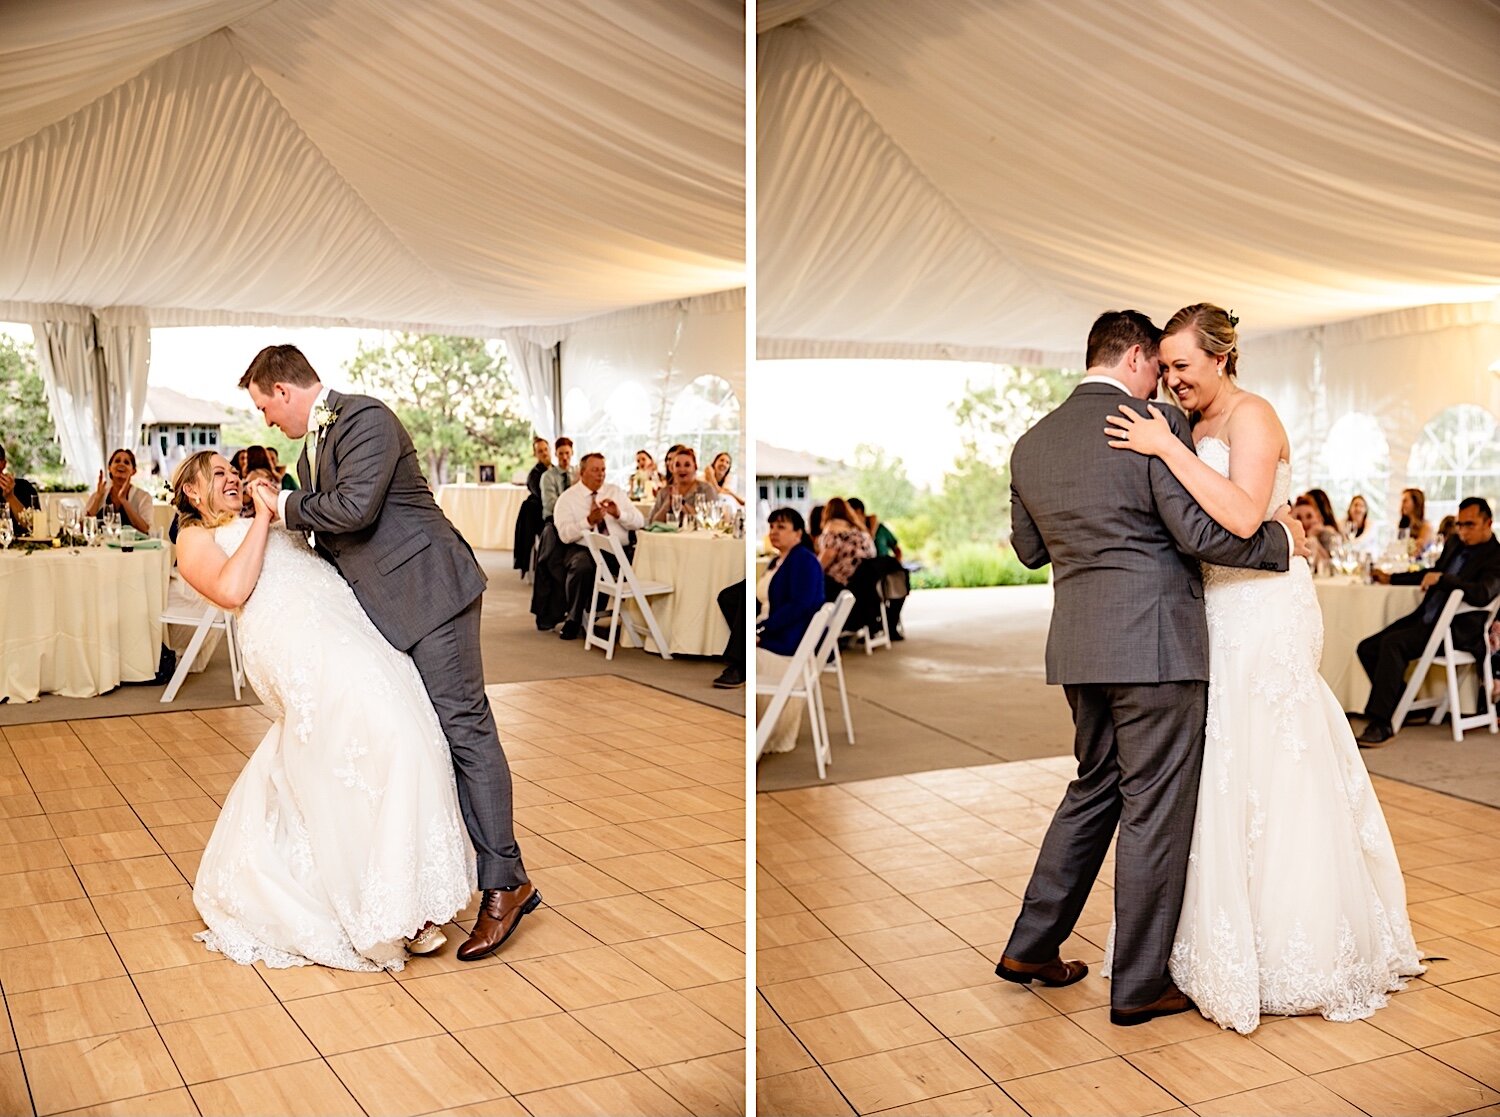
(591, 505)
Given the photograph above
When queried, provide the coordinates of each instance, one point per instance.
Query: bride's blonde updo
(1214, 328)
(196, 470)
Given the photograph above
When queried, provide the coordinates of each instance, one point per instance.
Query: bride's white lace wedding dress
(342, 834)
(1294, 902)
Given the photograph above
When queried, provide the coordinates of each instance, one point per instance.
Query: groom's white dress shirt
(571, 513)
(312, 441)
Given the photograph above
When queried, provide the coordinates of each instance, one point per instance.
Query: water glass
(90, 531)
(7, 533)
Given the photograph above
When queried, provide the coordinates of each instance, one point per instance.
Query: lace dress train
(1295, 902)
(342, 834)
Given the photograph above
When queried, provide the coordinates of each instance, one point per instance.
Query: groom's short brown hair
(1114, 332)
(279, 364)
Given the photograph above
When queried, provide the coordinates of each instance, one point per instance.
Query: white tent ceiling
(979, 179)
(465, 165)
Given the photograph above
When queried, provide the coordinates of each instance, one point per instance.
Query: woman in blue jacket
(789, 593)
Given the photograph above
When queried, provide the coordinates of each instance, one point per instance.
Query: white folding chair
(801, 681)
(209, 617)
(622, 587)
(827, 654)
(1441, 652)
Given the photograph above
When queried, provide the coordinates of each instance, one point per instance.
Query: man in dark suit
(365, 499)
(1129, 644)
(1470, 562)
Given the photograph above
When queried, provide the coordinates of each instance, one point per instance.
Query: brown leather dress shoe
(499, 915)
(1173, 1001)
(1054, 973)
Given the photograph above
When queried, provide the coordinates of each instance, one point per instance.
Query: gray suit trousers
(448, 659)
(1140, 753)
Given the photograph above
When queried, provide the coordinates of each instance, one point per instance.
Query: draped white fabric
(76, 394)
(624, 373)
(462, 165)
(978, 179)
(536, 377)
(124, 341)
(1401, 369)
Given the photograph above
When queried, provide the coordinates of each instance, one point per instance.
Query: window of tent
(706, 416)
(1358, 463)
(1457, 455)
(624, 429)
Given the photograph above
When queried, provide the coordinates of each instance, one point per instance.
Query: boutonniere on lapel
(323, 417)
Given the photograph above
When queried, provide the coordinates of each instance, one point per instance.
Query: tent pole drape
(95, 371)
(538, 379)
(123, 344)
(75, 392)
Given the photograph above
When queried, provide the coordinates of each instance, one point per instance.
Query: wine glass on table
(677, 508)
(7, 532)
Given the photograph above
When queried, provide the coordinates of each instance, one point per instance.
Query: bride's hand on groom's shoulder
(1129, 430)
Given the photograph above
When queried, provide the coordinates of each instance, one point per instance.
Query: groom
(364, 498)
(1129, 644)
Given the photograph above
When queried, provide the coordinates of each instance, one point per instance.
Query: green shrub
(970, 565)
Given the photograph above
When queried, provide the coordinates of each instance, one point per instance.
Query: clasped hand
(265, 497)
(1301, 545)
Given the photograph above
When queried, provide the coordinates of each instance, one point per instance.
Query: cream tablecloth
(485, 515)
(79, 623)
(1351, 611)
(698, 564)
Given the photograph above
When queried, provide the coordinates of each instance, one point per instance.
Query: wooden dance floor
(884, 905)
(624, 992)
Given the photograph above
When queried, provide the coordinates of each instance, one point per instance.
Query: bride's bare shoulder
(1254, 414)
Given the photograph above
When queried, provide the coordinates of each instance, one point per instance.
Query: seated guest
(16, 493)
(717, 475)
(788, 594)
(685, 483)
(1447, 528)
(815, 525)
(888, 550)
(284, 477)
(559, 478)
(529, 515)
(1470, 562)
(1320, 536)
(843, 545)
(254, 461)
(590, 505)
(1325, 509)
(1356, 519)
(1414, 520)
(115, 491)
(732, 605)
(645, 482)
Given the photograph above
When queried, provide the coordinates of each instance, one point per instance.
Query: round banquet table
(697, 564)
(485, 515)
(1353, 610)
(79, 622)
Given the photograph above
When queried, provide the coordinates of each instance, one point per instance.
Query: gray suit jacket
(375, 519)
(1122, 535)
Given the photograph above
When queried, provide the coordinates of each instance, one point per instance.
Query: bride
(342, 835)
(1294, 901)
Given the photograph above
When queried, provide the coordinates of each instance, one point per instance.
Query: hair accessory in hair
(1233, 320)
